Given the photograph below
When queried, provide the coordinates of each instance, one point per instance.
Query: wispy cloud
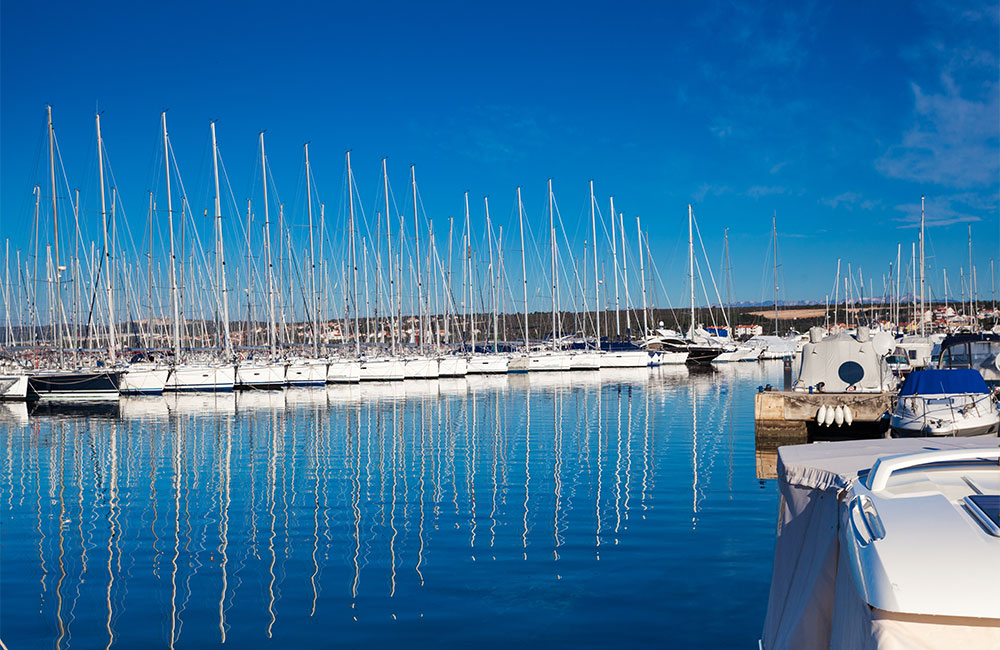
(944, 210)
(954, 141)
(851, 201)
(758, 191)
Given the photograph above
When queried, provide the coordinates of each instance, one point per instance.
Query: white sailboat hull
(484, 364)
(388, 369)
(518, 364)
(144, 379)
(260, 375)
(306, 372)
(549, 361)
(453, 366)
(421, 368)
(586, 360)
(625, 359)
(13, 386)
(201, 377)
(343, 371)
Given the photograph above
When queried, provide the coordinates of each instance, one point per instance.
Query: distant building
(747, 331)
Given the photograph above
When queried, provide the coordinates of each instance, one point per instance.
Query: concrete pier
(789, 418)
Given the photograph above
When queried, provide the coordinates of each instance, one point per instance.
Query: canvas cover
(943, 382)
(842, 363)
(813, 602)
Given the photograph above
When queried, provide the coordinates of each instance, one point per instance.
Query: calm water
(584, 509)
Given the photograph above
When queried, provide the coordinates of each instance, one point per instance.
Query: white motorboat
(306, 372)
(773, 347)
(381, 369)
(981, 352)
(144, 378)
(945, 403)
(260, 375)
(481, 364)
(887, 544)
(212, 377)
(921, 537)
(917, 350)
(453, 365)
(343, 371)
(668, 358)
(13, 386)
(846, 363)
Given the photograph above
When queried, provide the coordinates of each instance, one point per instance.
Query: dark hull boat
(74, 384)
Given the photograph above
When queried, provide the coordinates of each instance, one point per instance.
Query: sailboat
(554, 358)
(198, 375)
(484, 361)
(269, 372)
(65, 382)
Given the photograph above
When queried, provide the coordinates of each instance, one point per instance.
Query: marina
(517, 325)
(424, 512)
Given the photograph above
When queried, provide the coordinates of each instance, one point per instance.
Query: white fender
(829, 415)
(848, 415)
(839, 415)
(821, 415)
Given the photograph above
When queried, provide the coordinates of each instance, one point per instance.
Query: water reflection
(289, 515)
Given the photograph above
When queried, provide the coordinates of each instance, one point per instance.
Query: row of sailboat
(190, 346)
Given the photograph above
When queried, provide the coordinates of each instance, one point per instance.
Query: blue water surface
(585, 510)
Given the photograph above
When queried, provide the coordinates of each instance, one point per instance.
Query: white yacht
(421, 367)
(343, 371)
(252, 374)
(945, 403)
(212, 377)
(144, 378)
(380, 369)
(887, 544)
(13, 385)
(487, 363)
(306, 372)
(846, 363)
(453, 365)
(549, 360)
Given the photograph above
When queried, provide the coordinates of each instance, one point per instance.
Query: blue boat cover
(938, 382)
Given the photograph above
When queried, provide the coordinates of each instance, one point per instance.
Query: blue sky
(834, 116)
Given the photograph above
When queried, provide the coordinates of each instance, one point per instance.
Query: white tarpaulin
(848, 362)
(813, 604)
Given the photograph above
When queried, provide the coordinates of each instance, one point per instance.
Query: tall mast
(249, 327)
(972, 308)
(691, 262)
(774, 237)
(913, 266)
(420, 278)
(552, 235)
(312, 251)
(354, 254)
(899, 250)
(597, 282)
(628, 306)
(493, 290)
(220, 259)
(174, 298)
(524, 268)
(55, 238)
(642, 274)
(923, 307)
(468, 260)
(112, 339)
(272, 327)
(614, 262)
(388, 240)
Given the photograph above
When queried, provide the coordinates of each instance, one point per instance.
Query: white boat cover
(813, 602)
(848, 362)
